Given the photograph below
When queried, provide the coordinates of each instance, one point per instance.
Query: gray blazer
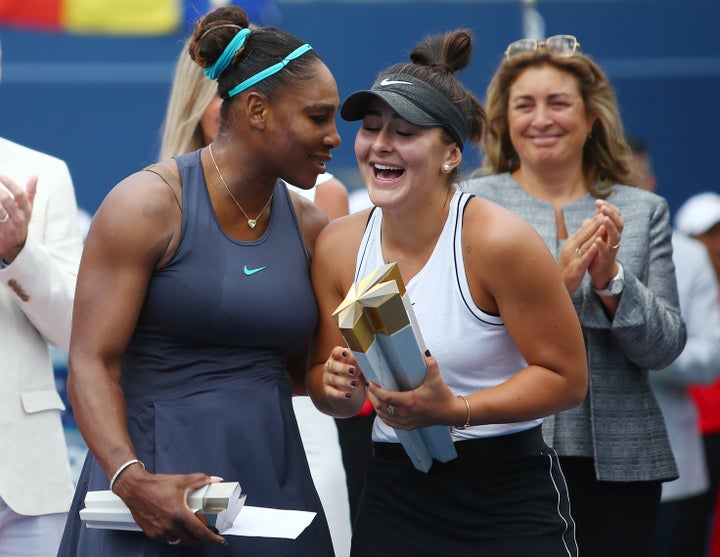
(626, 433)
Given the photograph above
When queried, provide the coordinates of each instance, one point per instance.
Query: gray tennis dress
(205, 378)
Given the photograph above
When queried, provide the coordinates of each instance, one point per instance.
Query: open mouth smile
(387, 172)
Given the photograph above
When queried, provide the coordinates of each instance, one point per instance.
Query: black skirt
(503, 496)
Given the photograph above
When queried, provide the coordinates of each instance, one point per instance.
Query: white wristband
(120, 470)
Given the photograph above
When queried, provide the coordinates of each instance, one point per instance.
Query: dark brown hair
(435, 61)
(264, 47)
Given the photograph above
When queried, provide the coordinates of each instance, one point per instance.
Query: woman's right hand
(603, 267)
(158, 503)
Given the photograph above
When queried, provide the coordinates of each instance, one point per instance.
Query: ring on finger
(5, 218)
(614, 246)
(390, 410)
(578, 250)
(176, 541)
(327, 365)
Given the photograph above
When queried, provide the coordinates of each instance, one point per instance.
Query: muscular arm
(332, 274)
(134, 232)
(129, 236)
(512, 272)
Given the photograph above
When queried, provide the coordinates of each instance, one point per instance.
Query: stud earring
(446, 167)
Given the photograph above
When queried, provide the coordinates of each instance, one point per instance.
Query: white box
(219, 503)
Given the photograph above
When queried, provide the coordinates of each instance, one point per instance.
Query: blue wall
(98, 103)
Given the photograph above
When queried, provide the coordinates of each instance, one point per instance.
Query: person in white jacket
(40, 246)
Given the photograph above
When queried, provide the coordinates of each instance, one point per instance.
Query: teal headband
(267, 72)
(222, 63)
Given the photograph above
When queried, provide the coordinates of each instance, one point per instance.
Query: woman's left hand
(429, 404)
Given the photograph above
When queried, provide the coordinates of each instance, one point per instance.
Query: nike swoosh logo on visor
(250, 272)
(385, 82)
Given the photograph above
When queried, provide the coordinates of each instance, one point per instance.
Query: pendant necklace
(251, 222)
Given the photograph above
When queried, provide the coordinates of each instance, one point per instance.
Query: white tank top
(472, 348)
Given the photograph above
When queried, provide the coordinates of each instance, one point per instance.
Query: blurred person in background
(191, 122)
(683, 522)
(40, 248)
(699, 217)
(556, 154)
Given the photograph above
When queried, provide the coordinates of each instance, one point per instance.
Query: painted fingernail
(351, 370)
(353, 383)
(347, 395)
(427, 353)
(224, 543)
(344, 353)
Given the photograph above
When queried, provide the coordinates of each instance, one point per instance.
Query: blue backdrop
(98, 102)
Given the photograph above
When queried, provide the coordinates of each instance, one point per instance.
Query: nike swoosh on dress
(250, 272)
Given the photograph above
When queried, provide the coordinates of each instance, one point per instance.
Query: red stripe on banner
(31, 14)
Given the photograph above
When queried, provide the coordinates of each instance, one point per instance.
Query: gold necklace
(251, 222)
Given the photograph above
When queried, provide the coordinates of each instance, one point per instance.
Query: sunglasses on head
(558, 45)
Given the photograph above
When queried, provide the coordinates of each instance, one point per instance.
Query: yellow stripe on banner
(121, 17)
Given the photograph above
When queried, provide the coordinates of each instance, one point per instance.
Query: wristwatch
(616, 285)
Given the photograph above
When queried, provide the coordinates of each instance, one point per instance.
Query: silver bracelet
(122, 467)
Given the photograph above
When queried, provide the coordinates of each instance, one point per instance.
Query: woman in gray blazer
(555, 154)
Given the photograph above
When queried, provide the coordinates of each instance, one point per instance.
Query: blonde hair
(606, 155)
(190, 95)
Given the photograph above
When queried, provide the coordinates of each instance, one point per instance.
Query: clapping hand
(16, 207)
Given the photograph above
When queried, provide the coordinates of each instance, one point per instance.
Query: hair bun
(442, 67)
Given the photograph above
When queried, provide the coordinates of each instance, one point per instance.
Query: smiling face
(396, 158)
(547, 119)
(302, 130)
